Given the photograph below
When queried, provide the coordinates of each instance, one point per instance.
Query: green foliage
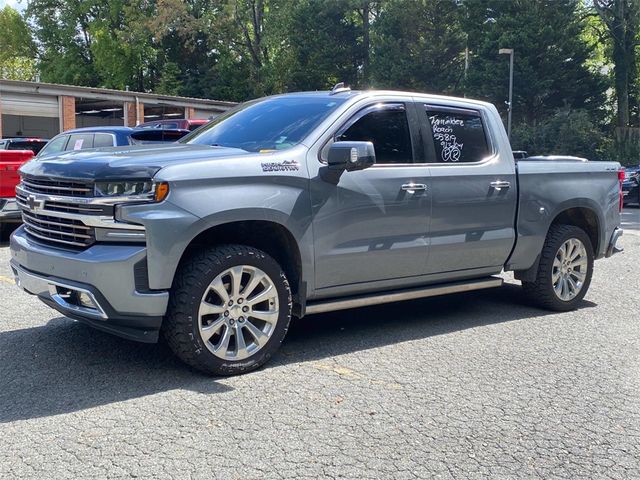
(169, 82)
(17, 51)
(419, 45)
(18, 68)
(566, 132)
(622, 145)
(322, 52)
(567, 63)
(550, 55)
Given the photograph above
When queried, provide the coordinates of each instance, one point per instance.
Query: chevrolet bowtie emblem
(34, 203)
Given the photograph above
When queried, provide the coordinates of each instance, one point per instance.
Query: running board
(401, 295)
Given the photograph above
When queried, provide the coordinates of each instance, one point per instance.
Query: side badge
(286, 166)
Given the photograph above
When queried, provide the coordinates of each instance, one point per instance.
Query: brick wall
(68, 120)
(131, 118)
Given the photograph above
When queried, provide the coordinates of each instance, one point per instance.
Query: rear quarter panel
(547, 188)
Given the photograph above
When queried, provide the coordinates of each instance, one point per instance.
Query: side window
(102, 140)
(80, 141)
(54, 146)
(458, 135)
(388, 130)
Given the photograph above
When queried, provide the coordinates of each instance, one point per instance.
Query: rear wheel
(565, 269)
(229, 310)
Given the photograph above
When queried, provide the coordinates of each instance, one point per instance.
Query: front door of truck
(371, 225)
(473, 191)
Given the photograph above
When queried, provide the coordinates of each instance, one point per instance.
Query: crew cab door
(371, 225)
(473, 190)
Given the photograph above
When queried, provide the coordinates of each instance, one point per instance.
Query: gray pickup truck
(304, 203)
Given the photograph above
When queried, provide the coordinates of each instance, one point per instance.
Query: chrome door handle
(499, 184)
(413, 187)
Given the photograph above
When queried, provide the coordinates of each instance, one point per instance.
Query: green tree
(18, 51)
(95, 43)
(62, 31)
(566, 132)
(419, 45)
(550, 70)
(323, 52)
(622, 20)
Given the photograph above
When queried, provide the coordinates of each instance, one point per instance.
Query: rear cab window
(458, 134)
(80, 141)
(103, 140)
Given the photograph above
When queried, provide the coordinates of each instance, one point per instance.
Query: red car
(177, 124)
(10, 162)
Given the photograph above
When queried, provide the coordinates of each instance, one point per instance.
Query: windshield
(274, 123)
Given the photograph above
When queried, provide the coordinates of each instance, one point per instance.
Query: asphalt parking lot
(477, 385)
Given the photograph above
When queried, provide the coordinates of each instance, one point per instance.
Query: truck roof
(373, 93)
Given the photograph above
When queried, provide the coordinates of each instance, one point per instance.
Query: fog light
(85, 300)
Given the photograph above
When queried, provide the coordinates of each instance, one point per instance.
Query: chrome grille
(48, 211)
(65, 188)
(65, 231)
(66, 207)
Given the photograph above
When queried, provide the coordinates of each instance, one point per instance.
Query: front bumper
(104, 285)
(9, 211)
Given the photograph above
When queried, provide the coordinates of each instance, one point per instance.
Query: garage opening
(162, 112)
(98, 113)
(29, 116)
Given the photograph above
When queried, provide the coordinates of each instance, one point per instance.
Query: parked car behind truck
(10, 162)
(20, 143)
(305, 203)
(631, 186)
(104, 137)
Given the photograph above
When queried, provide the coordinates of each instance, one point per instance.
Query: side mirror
(351, 156)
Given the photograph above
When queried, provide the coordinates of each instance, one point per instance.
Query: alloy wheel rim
(238, 312)
(569, 269)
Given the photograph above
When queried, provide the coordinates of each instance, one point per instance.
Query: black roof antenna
(339, 88)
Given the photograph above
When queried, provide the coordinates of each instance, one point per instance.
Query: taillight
(620, 180)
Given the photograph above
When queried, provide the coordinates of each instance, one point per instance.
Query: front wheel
(565, 269)
(229, 310)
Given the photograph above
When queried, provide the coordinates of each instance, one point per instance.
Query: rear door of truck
(473, 189)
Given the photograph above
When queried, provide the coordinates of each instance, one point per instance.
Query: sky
(17, 4)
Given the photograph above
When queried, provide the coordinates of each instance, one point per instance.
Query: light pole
(509, 51)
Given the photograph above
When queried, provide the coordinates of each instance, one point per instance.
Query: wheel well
(584, 218)
(270, 237)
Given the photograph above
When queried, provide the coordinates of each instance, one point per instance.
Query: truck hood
(134, 161)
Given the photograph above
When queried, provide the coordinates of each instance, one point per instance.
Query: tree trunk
(621, 19)
(365, 43)
(621, 72)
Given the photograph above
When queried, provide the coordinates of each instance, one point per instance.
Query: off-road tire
(541, 291)
(181, 324)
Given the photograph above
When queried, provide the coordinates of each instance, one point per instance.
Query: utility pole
(509, 51)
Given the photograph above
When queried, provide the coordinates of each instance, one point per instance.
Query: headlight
(125, 189)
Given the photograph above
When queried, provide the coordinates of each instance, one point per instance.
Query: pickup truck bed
(304, 203)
